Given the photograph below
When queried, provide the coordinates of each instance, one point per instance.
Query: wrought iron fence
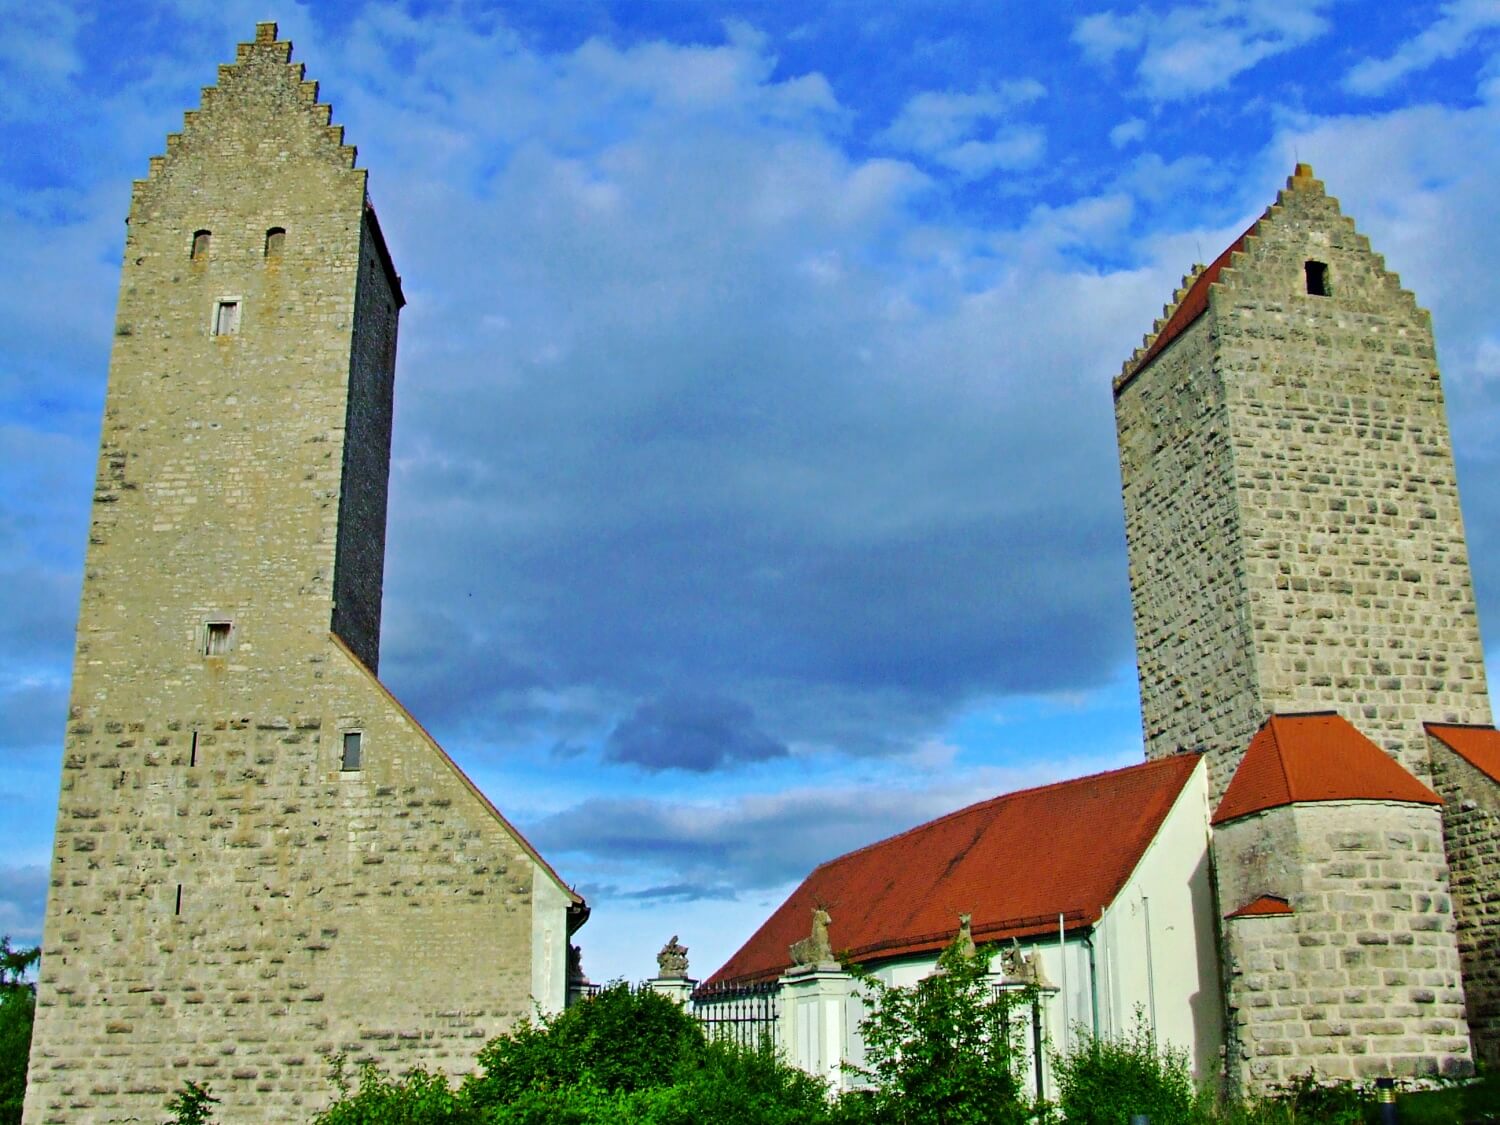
(745, 1014)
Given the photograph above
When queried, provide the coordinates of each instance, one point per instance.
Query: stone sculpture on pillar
(672, 961)
(815, 949)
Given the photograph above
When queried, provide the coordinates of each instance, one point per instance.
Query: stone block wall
(1295, 536)
(230, 906)
(1354, 546)
(1362, 979)
(227, 902)
(1193, 642)
(1471, 831)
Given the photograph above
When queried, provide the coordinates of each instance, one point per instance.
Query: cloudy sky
(754, 492)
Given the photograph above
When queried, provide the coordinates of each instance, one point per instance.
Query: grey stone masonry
(261, 859)
(1471, 831)
(1291, 508)
(1362, 979)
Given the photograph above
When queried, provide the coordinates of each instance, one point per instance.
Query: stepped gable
(1014, 863)
(1315, 757)
(1266, 906)
(1191, 300)
(237, 82)
(1479, 746)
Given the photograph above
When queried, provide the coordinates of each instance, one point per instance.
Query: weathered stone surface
(1471, 831)
(1291, 508)
(227, 903)
(1296, 545)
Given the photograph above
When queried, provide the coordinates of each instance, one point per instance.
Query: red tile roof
(1320, 757)
(1015, 863)
(1479, 746)
(1264, 907)
(1194, 304)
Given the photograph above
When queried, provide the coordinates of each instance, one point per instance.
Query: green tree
(418, 1098)
(618, 1041)
(1105, 1080)
(192, 1105)
(944, 1051)
(17, 1012)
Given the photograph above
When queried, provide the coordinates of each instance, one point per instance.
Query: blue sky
(754, 492)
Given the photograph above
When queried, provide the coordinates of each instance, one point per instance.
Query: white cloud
(966, 132)
(1127, 132)
(1192, 49)
(1456, 29)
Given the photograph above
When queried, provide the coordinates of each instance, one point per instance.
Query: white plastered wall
(1155, 947)
(549, 942)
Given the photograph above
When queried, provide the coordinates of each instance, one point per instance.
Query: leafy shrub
(17, 1012)
(192, 1105)
(419, 1098)
(1309, 1098)
(944, 1051)
(618, 1041)
(1104, 1081)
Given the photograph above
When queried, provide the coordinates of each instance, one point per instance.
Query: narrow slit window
(1317, 278)
(227, 318)
(216, 638)
(202, 240)
(353, 750)
(193, 753)
(178, 908)
(275, 240)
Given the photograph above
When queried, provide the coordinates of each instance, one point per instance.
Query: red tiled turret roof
(1014, 863)
(1318, 757)
(1264, 907)
(1479, 746)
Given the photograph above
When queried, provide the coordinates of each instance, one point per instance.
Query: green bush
(418, 1098)
(192, 1105)
(1104, 1081)
(620, 1040)
(17, 1012)
(944, 1051)
(624, 1057)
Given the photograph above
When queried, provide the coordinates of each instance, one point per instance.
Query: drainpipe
(1062, 953)
(1088, 943)
(1150, 965)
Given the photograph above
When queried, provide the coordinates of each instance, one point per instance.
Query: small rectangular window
(275, 239)
(202, 239)
(216, 637)
(352, 750)
(227, 318)
(1317, 278)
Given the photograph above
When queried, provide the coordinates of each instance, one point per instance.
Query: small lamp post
(1385, 1097)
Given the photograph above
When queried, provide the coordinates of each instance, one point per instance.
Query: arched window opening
(1317, 278)
(202, 239)
(275, 239)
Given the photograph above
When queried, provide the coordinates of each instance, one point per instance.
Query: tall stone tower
(1290, 503)
(261, 858)
(1302, 601)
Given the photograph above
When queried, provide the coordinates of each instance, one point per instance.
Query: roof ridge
(1286, 778)
(1193, 755)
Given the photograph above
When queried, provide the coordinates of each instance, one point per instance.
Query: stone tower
(1290, 502)
(261, 858)
(1302, 598)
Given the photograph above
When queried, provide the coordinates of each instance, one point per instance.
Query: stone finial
(576, 975)
(815, 948)
(265, 32)
(1302, 179)
(672, 961)
(965, 939)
